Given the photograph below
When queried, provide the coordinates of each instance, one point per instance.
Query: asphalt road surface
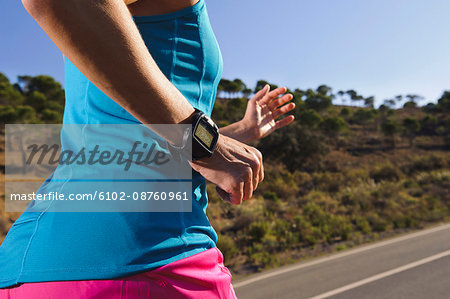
(412, 266)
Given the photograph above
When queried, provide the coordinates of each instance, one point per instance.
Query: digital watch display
(203, 135)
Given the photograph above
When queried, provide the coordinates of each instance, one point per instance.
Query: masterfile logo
(94, 168)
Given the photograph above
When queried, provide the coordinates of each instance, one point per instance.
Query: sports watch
(203, 135)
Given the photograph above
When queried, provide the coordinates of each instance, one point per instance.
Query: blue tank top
(44, 246)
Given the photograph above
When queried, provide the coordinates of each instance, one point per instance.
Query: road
(411, 266)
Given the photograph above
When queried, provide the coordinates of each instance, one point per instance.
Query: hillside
(339, 176)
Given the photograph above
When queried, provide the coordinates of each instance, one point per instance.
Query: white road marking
(340, 255)
(382, 275)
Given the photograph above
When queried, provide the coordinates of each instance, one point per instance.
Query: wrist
(176, 135)
(246, 128)
(189, 116)
(245, 131)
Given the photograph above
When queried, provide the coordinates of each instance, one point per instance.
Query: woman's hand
(264, 108)
(260, 116)
(235, 168)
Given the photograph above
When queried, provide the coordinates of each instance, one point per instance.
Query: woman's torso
(72, 246)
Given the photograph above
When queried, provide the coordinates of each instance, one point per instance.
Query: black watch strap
(199, 140)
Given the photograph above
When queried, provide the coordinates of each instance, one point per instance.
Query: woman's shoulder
(129, 1)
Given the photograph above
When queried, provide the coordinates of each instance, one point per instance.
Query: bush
(333, 126)
(279, 181)
(317, 101)
(50, 116)
(8, 114)
(362, 116)
(386, 172)
(282, 230)
(428, 125)
(227, 246)
(363, 225)
(328, 181)
(26, 114)
(297, 148)
(36, 100)
(377, 223)
(270, 195)
(345, 112)
(425, 163)
(257, 230)
(306, 232)
(261, 258)
(340, 228)
(309, 118)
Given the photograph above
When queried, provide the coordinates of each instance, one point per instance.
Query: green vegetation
(340, 175)
(37, 99)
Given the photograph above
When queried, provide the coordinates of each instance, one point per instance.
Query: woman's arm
(100, 38)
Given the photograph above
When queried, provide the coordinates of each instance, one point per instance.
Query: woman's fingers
(224, 195)
(277, 91)
(261, 93)
(257, 168)
(254, 166)
(272, 95)
(261, 168)
(284, 109)
(280, 101)
(283, 122)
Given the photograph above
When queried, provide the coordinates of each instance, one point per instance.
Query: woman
(151, 62)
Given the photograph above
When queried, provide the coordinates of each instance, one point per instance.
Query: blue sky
(381, 48)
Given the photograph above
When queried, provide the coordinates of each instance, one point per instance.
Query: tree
(429, 125)
(410, 128)
(298, 148)
(235, 109)
(8, 115)
(227, 86)
(239, 85)
(430, 108)
(222, 87)
(345, 111)
(235, 87)
(298, 96)
(341, 94)
(36, 99)
(332, 126)
(399, 99)
(369, 101)
(354, 96)
(8, 94)
(390, 128)
(317, 101)
(324, 90)
(444, 102)
(246, 92)
(309, 118)
(261, 83)
(389, 102)
(410, 105)
(4, 79)
(44, 84)
(414, 98)
(218, 113)
(362, 116)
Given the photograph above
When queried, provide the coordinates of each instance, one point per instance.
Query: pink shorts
(202, 275)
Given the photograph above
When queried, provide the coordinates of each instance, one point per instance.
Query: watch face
(202, 133)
